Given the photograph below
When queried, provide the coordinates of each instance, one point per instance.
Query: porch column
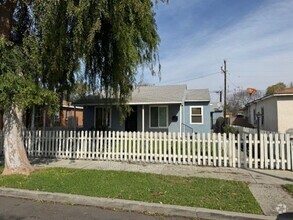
(180, 119)
(142, 118)
(74, 120)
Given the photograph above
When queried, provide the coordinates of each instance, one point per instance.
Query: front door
(131, 120)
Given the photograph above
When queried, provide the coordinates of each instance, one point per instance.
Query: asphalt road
(22, 209)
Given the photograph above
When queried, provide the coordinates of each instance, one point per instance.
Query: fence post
(138, 146)
(156, 147)
(179, 148)
(245, 151)
(230, 150)
(174, 148)
(256, 149)
(238, 150)
(169, 138)
(282, 148)
(271, 154)
(265, 137)
(233, 151)
(288, 151)
(198, 149)
(151, 147)
(203, 149)
(134, 147)
(116, 145)
(193, 147)
(147, 146)
(219, 150)
(277, 151)
(183, 149)
(250, 151)
(188, 148)
(214, 150)
(225, 149)
(105, 145)
(209, 148)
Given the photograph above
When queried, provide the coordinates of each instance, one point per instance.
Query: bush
(219, 126)
(229, 129)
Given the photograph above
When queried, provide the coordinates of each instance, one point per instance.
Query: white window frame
(95, 115)
(167, 115)
(190, 115)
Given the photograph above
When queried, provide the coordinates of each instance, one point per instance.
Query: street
(22, 209)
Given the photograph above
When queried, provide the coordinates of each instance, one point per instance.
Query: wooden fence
(267, 152)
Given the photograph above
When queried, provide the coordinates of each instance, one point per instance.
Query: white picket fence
(269, 152)
(247, 130)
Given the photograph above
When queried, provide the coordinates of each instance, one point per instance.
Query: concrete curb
(128, 205)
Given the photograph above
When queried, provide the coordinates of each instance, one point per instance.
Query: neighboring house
(70, 116)
(155, 108)
(276, 111)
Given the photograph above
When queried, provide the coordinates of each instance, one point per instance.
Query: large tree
(237, 100)
(43, 44)
(275, 88)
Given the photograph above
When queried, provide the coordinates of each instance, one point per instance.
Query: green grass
(289, 188)
(185, 191)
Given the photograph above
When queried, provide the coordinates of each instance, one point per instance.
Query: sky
(255, 37)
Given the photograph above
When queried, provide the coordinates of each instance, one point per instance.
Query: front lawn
(185, 191)
(289, 188)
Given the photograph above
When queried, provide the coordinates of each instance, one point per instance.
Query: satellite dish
(251, 91)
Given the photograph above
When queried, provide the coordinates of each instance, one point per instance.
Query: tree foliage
(275, 88)
(52, 38)
(239, 99)
(16, 81)
(42, 46)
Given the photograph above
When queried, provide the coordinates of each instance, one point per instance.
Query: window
(262, 116)
(67, 115)
(103, 118)
(196, 115)
(159, 116)
(57, 118)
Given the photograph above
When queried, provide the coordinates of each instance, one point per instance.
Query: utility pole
(224, 70)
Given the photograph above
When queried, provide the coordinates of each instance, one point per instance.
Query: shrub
(219, 126)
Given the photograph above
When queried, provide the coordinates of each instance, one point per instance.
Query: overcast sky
(254, 36)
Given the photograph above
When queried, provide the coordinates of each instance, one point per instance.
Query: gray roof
(197, 95)
(156, 95)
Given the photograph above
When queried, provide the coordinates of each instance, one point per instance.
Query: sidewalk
(275, 177)
(265, 185)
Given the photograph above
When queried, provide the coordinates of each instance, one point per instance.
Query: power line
(198, 77)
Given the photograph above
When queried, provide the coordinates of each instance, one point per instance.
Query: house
(275, 111)
(171, 108)
(69, 117)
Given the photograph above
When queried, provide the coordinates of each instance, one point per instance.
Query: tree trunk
(16, 161)
(6, 13)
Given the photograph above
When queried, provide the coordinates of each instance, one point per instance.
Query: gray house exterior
(171, 108)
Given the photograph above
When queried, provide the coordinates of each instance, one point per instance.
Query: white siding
(270, 114)
(285, 114)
